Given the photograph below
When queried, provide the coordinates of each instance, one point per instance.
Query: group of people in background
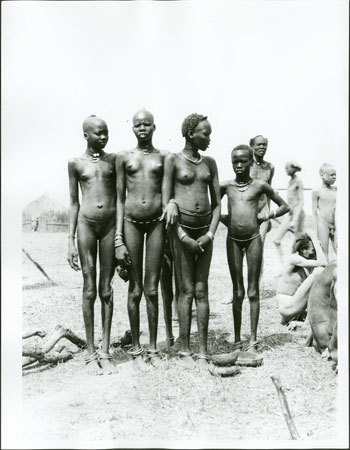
(168, 206)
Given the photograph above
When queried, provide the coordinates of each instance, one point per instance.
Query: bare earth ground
(61, 402)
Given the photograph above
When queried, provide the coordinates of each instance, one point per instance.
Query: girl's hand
(191, 246)
(171, 213)
(204, 241)
(262, 217)
(224, 219)
(122, 255)
(73, 257)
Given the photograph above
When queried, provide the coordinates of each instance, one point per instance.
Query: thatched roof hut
(51, 215)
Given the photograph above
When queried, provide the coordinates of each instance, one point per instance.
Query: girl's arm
(215, 197)
(170, 209)
(223, 187)
(320, 260)
(282, 209)
(299, 208)
(215, 203)
(315, 197)
(121, 252)
(73, 212)
(272, 173)
(223, 190)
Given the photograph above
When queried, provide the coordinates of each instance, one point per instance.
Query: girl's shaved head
(143, 114)
(92, 120)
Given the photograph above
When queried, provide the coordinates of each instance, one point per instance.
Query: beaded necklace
(242, 187)
(193, 161)
(95, 157)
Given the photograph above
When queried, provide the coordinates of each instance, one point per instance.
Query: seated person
(322, 312)
(306, 261)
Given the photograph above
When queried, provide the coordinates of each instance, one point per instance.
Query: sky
(277, 68)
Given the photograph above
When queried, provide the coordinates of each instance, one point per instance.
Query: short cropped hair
(252, 141)
(190, 123)
(243, 147)
(325, 167)
(301, 242)
(295, 165)
(86, 122)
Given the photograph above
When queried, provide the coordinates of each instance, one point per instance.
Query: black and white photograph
(175, 224)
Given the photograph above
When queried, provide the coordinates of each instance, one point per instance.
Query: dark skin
(243, 224)
(294, 221)
(260, 170)
(94, 220)
(140, 175)
(323, 209)
(169, 293)
(190, 185)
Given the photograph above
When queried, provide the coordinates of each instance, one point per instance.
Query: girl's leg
(134, 242)
(323, 235)
(282, 230)
(166, 284)
(334, 240)
(153, 265)
(264, 228)
(184, 268)
(298, 302)
(202, 267)
(254, 257)
(105, 288)
(299, 228)
(235, 263)
(87, 248)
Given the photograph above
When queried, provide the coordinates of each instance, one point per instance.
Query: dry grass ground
(62, 403)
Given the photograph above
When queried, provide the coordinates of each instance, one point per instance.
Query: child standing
(243, 222)
(94, 220)
(323, 208)
(294, 221)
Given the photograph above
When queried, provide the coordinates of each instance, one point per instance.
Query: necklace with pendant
(95, 157)
(193, 161)
(145, 151)
(242, 187)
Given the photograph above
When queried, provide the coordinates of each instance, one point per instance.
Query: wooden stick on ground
(40, 353)
(285, 408)
(53, 358)
(34, 332)
(36, 264)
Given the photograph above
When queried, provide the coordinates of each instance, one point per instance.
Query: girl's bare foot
(139, 364)
(202, 362)
(252, 346)
(108, 367)
(186, 360)
(92, 366)
(155, 359)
